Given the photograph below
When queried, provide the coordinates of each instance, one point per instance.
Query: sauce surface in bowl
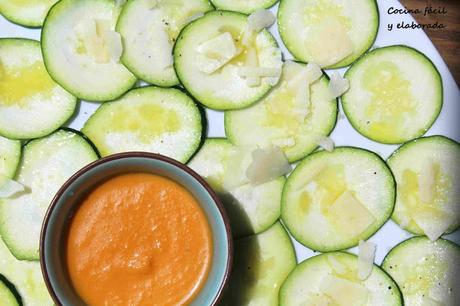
(139, 239)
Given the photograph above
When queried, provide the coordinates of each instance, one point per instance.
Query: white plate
(344, 134)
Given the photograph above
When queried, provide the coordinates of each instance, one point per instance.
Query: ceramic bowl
(54, 230)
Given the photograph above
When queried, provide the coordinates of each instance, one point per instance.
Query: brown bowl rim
(147, 155)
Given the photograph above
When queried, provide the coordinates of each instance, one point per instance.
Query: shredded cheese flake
(216, 52)
(338, 85)
(260, 20)
(267, 164)
(366, 258)
(326, 143)
(9, 187)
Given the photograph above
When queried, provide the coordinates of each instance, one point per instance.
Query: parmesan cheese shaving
(309, 75)
(336, 265)
(100, 42)
(431, 226)
(329, 42)
(114, 45)
(300, 84)
(326, 143)
(216, 52)
(9, 187)
(260, 19)
(344, 292)
(252, 61)
(366, 258)
(351, 217)
(267, 164)
(338, 85)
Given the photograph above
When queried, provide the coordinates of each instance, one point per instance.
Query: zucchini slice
(10, 154)
(331, 33)
(262, 263)
(46, 164)
(6, 296)
(427, 172)
(251, 209)
(152, 119)
(31, 104)
(82, 51)
(334, 199)
(427, 272)
(243, 6)
(29, 13)
(284, 120)
(331, 279)
(395, 94)
(215, 56)
(149, 31)
(26, 276)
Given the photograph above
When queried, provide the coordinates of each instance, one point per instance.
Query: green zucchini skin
(10, 153)
(8, 294)
(113, 79)
(437, 148)
(431, 265)
(189, 76)
(29, 16)
(178, 136)
(304, 280)
(39, 113)
(24, 278)
(133, 58)
(43, 170)
(426, 72)
(242, 127)
(251, 209)
(294, 44)
(262, 263)
(377, 178)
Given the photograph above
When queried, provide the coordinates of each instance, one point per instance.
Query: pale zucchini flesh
(10, 154)
(222, 87)
(332, 33)
(81, 49)
(46, 164)
(149, 31)
(395, 94)
(262, 263)
(29, 13)
(31, 104)
(310, 284)
(243, 6)
(427, 272)
(332, 200)
(152, 119)
(280, 119)
(251, 209)
(26, 276)
(441, 210)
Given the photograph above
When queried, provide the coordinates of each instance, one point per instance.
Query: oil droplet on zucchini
(391, 99)
(18, 85)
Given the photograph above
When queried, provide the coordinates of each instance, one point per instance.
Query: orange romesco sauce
(139, 239)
